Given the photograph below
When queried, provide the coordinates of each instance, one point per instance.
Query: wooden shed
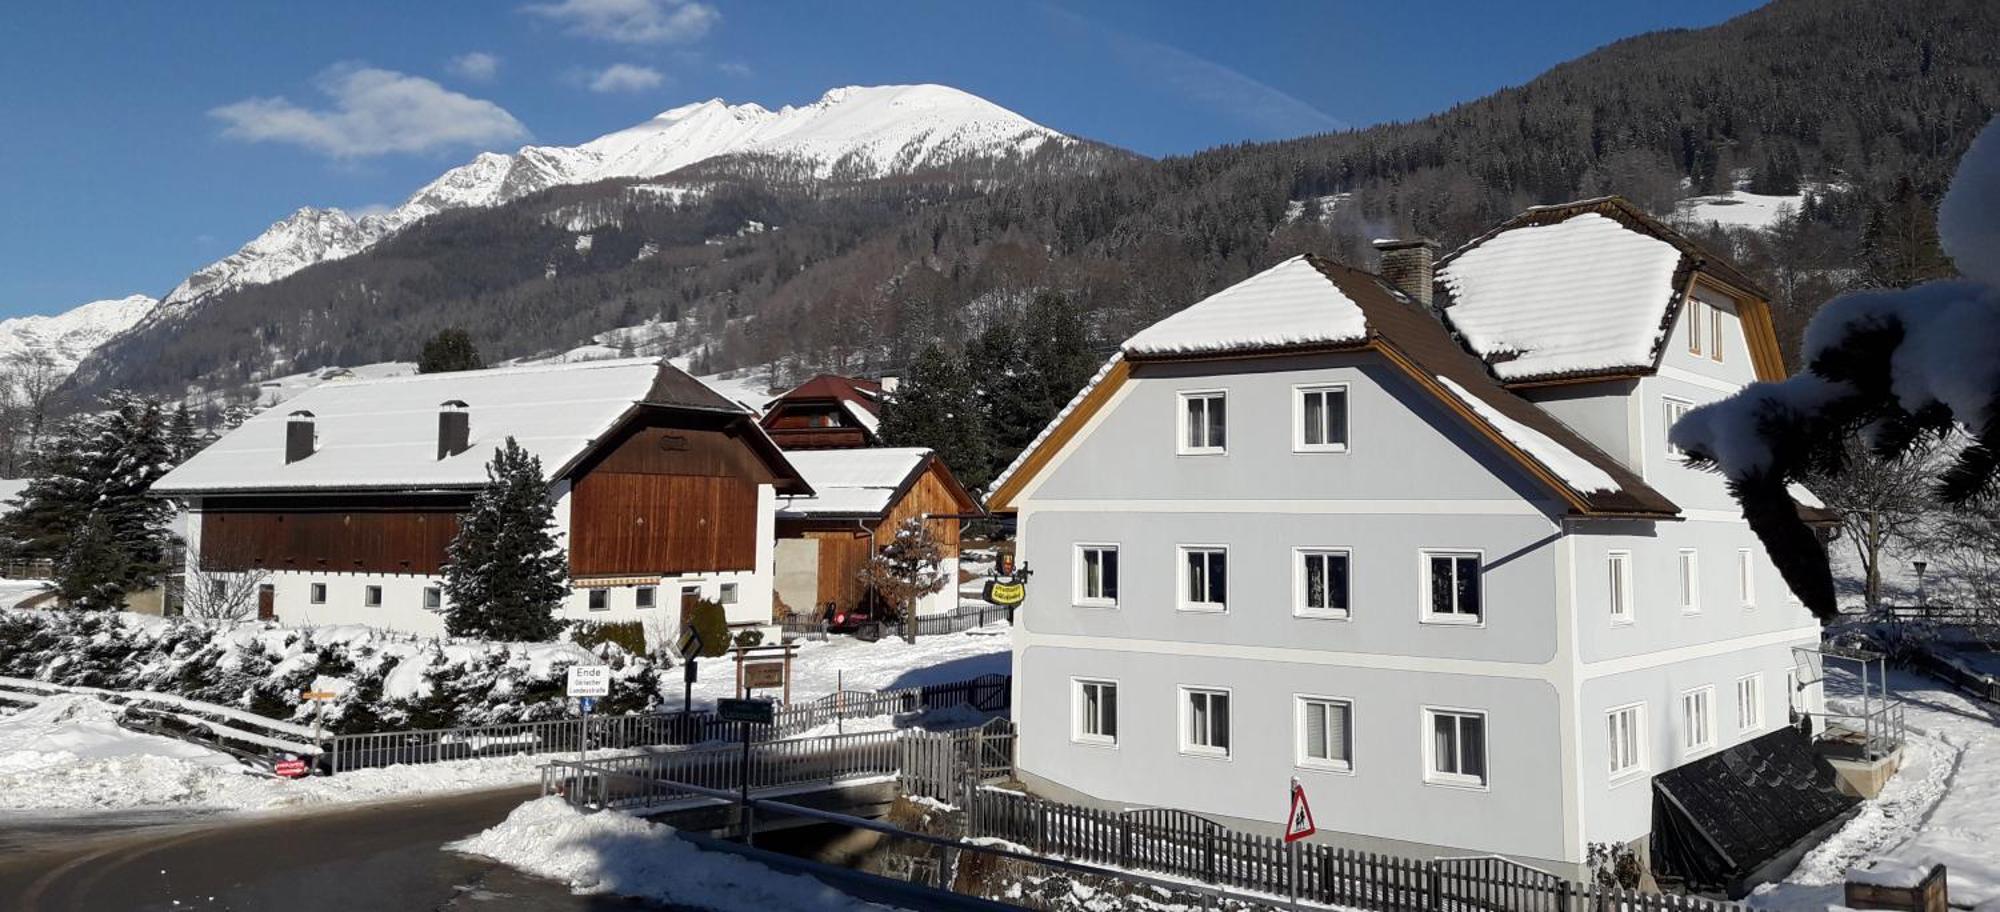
(860, 497)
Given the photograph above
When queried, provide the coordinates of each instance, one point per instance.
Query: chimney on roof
(454, 428)
(301, 436)
(1406, 265)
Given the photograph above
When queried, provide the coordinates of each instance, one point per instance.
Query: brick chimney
(1406, 264)
(301, 436)
(454, 428)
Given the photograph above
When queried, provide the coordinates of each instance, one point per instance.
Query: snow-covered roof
(1292, 303)
(852, 482)
(1584, 294)
(1575, 471)
(377, 434)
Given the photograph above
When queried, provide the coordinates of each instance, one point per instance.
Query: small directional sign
(586, 703)
(590, 680)
(319, 695)
(756, 712)
(291, 767)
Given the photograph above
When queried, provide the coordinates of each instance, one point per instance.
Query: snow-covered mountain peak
(853, 131)
(68, 336)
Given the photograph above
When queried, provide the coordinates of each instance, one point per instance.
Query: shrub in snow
(711, 622)
(910, 567)
(504, 573)
(1898, 368)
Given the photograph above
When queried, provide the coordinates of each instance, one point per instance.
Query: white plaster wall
(944, 601)
(1658, 622)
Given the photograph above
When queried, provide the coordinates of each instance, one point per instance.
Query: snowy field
(1944, 807)
(620, 855)
(67, 754)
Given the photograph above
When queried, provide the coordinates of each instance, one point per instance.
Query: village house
(860, 498)
(1416, 539)
(827, 412)
(344, 499)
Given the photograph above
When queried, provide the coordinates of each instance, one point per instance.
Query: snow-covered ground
(620, 855)
(1943, 807)
(67, 753)
(14, 592)
(1738, 209)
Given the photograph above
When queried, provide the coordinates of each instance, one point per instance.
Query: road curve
(378, 856)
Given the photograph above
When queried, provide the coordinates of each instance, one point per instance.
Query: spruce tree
(92, 570)
(98, 468)
(505, 574)
(182, 439)
(1899, 244)
(937, 407)
(449, 350)
(1052, 360)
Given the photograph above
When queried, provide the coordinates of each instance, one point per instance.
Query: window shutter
(1316, 744)
(1337, 740)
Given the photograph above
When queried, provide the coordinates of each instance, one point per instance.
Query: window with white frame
(1321, 582)
(1697, 720)
(1714, 332)
(1676, 409)
(1746, 577)
(726, 593)
(317, 593)
(1690, 580)
(1749, 702)
(1326, 733)
(1321, 419)
(1792, 700)
(434, 598)
(1204, 578)
(1096, 712)
(1618, 577)
(1205, 722)
(1451, 580)
(600, 599)
(1455, 746)
(645, 596)
(1626, 726)
(1204, 422)
(1696, 321)
(1097, 575)
(371, 596)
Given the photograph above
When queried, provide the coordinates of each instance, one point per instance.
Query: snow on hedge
(1574, 470)
(1948, 355)
(620, 855)
(1583, 294)
(1292, 303)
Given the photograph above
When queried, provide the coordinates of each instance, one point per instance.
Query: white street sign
(590, 680)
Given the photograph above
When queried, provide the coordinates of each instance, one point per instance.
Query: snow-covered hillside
(856, 131)
(68, 336)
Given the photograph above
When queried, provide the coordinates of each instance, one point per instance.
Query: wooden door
(267, 602)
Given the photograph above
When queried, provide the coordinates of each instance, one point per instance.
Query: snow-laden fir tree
(449, 350)
(908, 568)
(937, 407)
(1897, 369)
(89, 509)
(505, 574)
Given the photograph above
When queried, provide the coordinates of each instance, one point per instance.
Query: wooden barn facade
(827, 412)
(860, 498)
(343, 500)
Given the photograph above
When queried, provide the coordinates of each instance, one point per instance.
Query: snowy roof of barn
(864, 482)
(1572, 290)
(1309, 304)
(383, 434)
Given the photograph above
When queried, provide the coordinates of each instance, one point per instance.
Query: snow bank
(822, 667)
(1739, 209)
(612, 853)
(1574, 470)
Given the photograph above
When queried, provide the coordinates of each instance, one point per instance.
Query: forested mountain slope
(1867, 103)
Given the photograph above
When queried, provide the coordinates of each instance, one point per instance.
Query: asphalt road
(373, 857)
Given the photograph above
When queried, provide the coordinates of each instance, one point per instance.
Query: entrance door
(267, 602)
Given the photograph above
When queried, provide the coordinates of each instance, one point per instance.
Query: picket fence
(343, 753)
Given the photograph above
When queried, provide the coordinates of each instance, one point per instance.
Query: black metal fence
(1183, 845)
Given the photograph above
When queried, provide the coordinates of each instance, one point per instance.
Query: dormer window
(454, 428)
(301, 436)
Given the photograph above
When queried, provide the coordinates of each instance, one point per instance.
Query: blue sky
(146, 139)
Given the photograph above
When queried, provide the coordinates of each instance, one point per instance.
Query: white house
(1434, 558)
(344, 499)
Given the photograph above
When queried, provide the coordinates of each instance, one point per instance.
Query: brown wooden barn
(342, 501)
(860, 497)
(827, 412)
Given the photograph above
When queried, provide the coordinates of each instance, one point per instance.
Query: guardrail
(635, 781)
(990, 693)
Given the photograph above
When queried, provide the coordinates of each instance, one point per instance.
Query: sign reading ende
(590, 680)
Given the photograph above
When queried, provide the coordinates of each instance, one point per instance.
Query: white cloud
(477, 66)
(625, 77)
(374, 112)
(632, 21)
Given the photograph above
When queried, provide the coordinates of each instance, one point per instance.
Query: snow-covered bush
(384, 681)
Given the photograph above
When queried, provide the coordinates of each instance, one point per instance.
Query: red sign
(1300, 824)
(291, 769)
